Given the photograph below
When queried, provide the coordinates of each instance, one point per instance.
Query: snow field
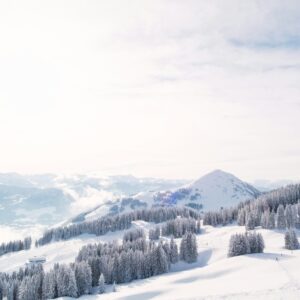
(213, 276)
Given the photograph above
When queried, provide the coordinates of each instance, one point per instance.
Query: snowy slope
(213, 276)
(63, 251)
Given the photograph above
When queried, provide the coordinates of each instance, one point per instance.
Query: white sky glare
(153, 88)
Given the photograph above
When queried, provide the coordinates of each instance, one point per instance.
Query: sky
(162, 88)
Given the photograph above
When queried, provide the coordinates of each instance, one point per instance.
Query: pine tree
(199, 226)
(71, 287)
(281, 222)
(290, 221)
(25, 290)
(66, 282)
(250, 220)
(241, 218)
(252, 242)
(160, 260)
(260, 245)
(291, 240)
(271, 221)
(83, 275)
(114, 288)
(188, 248)
(238, 245)
(101, 284)
(265, 219)
(173, 251)
(49, 284)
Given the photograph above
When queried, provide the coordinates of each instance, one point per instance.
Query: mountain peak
(221, 189)
(218, 172)
(215, 175)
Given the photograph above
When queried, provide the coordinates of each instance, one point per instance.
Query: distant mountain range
(49, 198)
(212, 191)
(267, 185)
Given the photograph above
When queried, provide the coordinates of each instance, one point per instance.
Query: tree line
(177, 228)
(277, 209)
(14, 246)
(119, 222)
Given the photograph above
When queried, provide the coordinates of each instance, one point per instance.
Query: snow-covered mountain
(212, 191)
(49, 199)
(219, 189)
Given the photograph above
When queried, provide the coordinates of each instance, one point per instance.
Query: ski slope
(213, 276)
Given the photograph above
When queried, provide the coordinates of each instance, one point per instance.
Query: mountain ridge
(212, 191)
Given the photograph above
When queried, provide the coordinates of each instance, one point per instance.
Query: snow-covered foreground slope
(61, 252)
(213, 276)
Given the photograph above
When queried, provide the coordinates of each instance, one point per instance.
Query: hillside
(213, 276)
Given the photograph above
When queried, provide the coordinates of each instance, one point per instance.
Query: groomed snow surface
(213, 276)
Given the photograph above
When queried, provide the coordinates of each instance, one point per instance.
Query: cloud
(107, 84)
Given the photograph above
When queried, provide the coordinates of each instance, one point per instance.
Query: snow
(221, 189)
(213, 276)
(62, 251)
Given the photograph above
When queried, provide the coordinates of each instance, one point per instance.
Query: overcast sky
(151, 88)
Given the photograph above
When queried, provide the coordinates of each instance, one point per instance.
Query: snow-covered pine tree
(161, 264)
(291, 240)
(241, 218)
(238, 245)
(252, 242)
(289, 216)
(198, 226)
(173, 251)
(66, 282)
(281, 221)
(250, 220)
(25, 290)
(114, 288)
(271, 221)
(265, 219)
(260, 244)
(188, 248)
(83, 276)
(101, 284)
(49, 286)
